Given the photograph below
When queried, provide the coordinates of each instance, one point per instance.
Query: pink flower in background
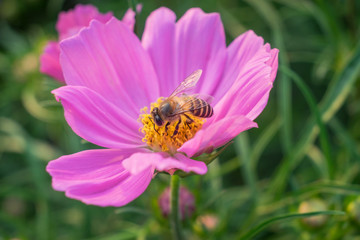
(68, 24)
(111, 75)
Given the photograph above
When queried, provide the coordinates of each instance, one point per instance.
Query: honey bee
(179, 103)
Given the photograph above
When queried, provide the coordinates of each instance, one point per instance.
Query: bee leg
(167, 126)
(154, 126)
(188, 120)
(177, 127)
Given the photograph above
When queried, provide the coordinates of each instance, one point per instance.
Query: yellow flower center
(163, 138)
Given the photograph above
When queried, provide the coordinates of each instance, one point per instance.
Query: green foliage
(305, 150)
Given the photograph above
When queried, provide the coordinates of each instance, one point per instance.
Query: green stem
(174, 200)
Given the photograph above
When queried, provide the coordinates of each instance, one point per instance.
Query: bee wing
(188, 83)
(188, 105)
(205, 97)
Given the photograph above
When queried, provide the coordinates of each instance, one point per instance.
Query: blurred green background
(304, 156)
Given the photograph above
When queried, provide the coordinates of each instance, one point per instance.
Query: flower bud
(313, 205)
(186, 203)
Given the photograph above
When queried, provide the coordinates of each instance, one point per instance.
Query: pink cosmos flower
(111, 75)
(68, 24)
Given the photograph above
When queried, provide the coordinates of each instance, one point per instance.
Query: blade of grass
(132, 4)
(242, 147)
(310, 99)
(37, 175)
(253, 232)
(351, 173)
(303, 6)
(264, 140)
(317, 158)
(215, 183)
(308, 191)
(331, 23)
(124, 235)
(132, 210)
(229, 194)
(33, 106)
(319, 10)
(272, 18)
(345, 137)
(233, 26)
(225, 168)
(333, 100)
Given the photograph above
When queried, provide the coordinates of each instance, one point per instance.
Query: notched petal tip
(273, 62)
(70, 22)
(93, 24)
(199, 13)
(163, 13)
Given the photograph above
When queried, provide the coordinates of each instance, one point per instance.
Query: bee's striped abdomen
(200, 108)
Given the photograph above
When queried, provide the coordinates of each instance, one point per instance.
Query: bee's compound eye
(158, 120)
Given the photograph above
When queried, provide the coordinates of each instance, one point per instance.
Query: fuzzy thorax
(158, 139)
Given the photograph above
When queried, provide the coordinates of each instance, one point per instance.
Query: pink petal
(273, 62)
(97, 177)
(200, 44)
(109, 59)
(249, 92)
(196, 41)
(129, 19)
(159, 39)
(260, 104)
(129, 16)
(139, 7)
(163, 162)
(212, 136)
(70, 23)
(239, 52)
(49, 61)
(97, 120)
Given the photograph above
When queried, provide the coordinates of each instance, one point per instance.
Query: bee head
(155, 115)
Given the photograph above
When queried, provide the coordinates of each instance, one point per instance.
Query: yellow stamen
(160, 140)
